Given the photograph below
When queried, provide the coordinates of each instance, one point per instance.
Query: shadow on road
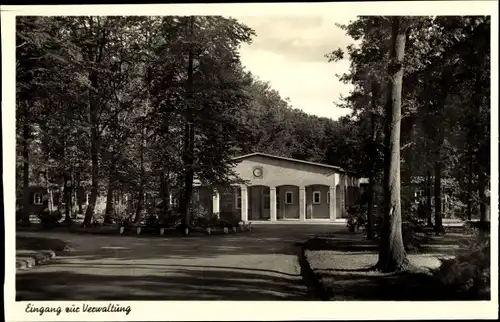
(169, 282)
(256, 265)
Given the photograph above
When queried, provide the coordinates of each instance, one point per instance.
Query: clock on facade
(257, 172)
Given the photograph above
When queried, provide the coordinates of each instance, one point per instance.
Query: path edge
(40, 257)
(311, 279)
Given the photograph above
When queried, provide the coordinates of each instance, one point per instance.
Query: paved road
(257, 265)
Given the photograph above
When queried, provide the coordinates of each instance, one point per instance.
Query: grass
(342, 264)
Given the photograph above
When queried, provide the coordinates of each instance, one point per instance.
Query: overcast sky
(288, 51)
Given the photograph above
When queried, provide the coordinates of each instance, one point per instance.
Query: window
(37, 199)
(328, 197)
(288, 197)
(316, 197)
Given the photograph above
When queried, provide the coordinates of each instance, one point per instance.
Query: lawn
(341, 264)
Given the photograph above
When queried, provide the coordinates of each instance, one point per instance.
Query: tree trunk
(165, 194)
(68, 191)
(138, 212)
(392, 255)
(481, 101)
(470, 170)
(94, 150)
(371, 179)
(438, 216)
(188, 153)
(89, 214)
(428, 206)
(438, 163)
(50, 201)
(79, 193)
(483, 200)
(438, 211)
(108, 213)
(25, 219)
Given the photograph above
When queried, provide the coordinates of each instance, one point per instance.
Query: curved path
(257, 265)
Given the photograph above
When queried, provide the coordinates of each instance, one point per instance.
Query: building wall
(321, 210)
(33, 209)
(286, 175)
(287, 211)
(257, 209)
(283, 172)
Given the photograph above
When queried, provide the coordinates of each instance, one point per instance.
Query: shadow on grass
(168, 282)
(367, 284)
(371, 286)
(356, 242)
(366, 269)
(403, 286)
(349, 245)
(40, 243)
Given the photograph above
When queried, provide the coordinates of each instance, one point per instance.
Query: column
(332, 206)
(272, 202)
(302, 203)
(244, 203)
(216, 202)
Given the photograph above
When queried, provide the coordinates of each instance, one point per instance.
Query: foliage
(106, 101)
(444, 103)
(49, 219)
(469, 272)
(356, 217)
(231, 218)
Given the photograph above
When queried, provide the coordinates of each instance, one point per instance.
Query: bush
(215, 221)
(49, 219)
(472, 227)
(123, 217)
(356, 217)
(153, 221)
(468, 274)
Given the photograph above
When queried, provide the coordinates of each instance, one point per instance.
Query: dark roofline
(292, 160)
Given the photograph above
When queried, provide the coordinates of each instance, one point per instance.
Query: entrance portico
(278, 188)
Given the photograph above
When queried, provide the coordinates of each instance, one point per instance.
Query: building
(278, 188)
(37, 201)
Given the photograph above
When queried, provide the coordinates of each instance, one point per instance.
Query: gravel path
(257, 265)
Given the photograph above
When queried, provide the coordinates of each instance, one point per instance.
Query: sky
(289, 52)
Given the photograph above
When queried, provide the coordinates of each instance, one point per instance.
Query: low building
(278, 188)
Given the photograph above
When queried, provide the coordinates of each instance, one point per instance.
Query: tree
(392, 254)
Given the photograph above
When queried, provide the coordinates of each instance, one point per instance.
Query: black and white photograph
(295, 156)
